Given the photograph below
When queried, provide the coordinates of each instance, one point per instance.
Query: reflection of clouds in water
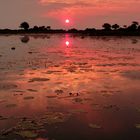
(133, 75)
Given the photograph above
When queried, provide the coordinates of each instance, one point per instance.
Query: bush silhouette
(115, 26)
(133, 26)
(106, 26)
(24, 25)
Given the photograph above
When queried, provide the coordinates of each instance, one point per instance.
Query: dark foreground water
(65, 87)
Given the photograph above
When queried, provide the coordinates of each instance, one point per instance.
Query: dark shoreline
(79, 32)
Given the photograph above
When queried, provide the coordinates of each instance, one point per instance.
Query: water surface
(67, 87)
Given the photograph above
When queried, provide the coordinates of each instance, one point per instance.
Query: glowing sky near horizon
(83, 13)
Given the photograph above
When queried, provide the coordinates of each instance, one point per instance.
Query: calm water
(65, 87)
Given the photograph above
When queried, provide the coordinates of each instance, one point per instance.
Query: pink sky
(82, 13)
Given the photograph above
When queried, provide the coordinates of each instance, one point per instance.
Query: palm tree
(24, 25)
(106, 26)
(115, 26)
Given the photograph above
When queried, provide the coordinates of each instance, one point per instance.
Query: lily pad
(25, 128)
(115, 107)
(27, 124)
(78, 100)
(3, 118)
(94, 126)
(6, 132)
(28, 98)
(79, 111)
(11, 105)
(39, 79)
(59, 91)
(27, 134)
(55, 117)
(137, 126)
(32, 90)
(51, 96)
(138, 109)
(13, 48)
(7, 86)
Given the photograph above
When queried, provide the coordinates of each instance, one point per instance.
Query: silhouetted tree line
(107, 29)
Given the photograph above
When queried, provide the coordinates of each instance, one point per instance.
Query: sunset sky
(81, 13)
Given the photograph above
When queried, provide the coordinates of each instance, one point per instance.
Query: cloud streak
(85, 9)
(83, 13)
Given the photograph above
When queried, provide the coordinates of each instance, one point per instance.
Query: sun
(67, 21)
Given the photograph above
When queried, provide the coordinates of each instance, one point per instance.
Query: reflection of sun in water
(67, 21)
(67, 43)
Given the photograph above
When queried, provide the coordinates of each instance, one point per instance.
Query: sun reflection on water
(67, 43)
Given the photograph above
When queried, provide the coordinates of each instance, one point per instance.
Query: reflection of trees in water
(134, 41)
(41, 36)
(25, 39)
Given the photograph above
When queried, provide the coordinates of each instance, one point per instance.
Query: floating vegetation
(107, 94)
(74, 94)
(115, 107)
(27, 134)
(7, 86)
(28, 98)
(51, 96)
(80, 63)
(6, 132)
(13, 48)
(11, 105)
(78, 111)
(18, 94)
(20, 91)
(55, 117)
(26, 128)
(138, 110)
(96, 107)
(28, 124)
(137, 126)
(32, 90)
(38, 79)
(78, 100)
(88, 99)
(59, 91)
(71, 69)
(94, 126)
(52, 72)
(3, 118)
(133, 75)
